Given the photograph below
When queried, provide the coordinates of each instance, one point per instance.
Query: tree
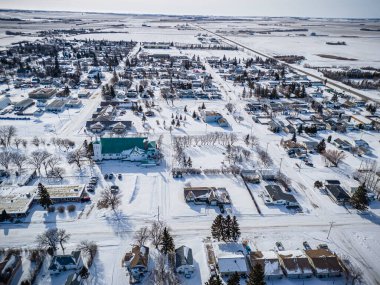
(156, 231)
(19, 160)
(214, 280)
(89, 250)
(4, 216)
(48, 239)
(294, 138)
(5, 159)
(321, 147)
(359, 199)
(44, 196)
(234, 279)
(76, 157)
(109, 199)
(256, 276)
(318, 184)
(329, 139)
(217, 228)
(167, 242)
(203, 106)
(227, 228)
(300, 129)
(334, 156)
(141, 236)
(235, 229)
(63, 238)
(37, 157)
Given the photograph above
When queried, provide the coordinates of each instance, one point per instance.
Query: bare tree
(6, 135)
(141, 236)
(5, 159)
(17, 142)
(88, 249)
(264, 157)
(36, 141)
(334, 156)
(63, 237)
(108, 199)
(37, 157)
(24, 143)
(48, 239)
(156, 231)
(76, 157)
(19, 160)
(56, 172)
(163, 274)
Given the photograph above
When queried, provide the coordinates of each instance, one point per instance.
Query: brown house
(324, 263)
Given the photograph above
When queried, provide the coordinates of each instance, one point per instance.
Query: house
(295, 264)
(342, 144)
(337, 193)
(9, 267)
(42, 93)
(23, 105)
(206, 195)
(127, 148)
(214, 117)
(83, 94)
(269, 262)
(230, 264)
(116, 127)
(137, 261)
(275, 196)
(184, 263)
(65, 262)
(74, 103)
(275, 126)
(56, 106)
(4, 102)
(324, 263)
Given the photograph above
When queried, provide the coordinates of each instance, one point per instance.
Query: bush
(25, 282)
(71, 208)
(51, 209)
(61, 209)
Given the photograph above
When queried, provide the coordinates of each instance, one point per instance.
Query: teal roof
(118, 145)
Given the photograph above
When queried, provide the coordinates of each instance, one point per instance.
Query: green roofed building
(131, 148)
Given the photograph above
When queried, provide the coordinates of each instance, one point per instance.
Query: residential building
(295, 264)
(275, 196)
(269, 262)
(137, 261)
(65, 262)
(324, 263)
(206, 195)
(184, 262)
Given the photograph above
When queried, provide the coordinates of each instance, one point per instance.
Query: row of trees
(226, 229)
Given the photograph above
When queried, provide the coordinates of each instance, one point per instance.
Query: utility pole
(331, 225)
(267, 147)
(280, 164)
(158, 213)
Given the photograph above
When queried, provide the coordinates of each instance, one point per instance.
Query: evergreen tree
(84, 274)
(321, 147)
(167, 242)
(203, 106)
(294, 138)
(185, 109)
(45, 200)
(234, 279)
(360, 200)
(246, 140)
(3, 216)
(235, 229)
(329, 139)
(217, 228)
(194, 115)
(189, 163)
(214, 280)
(256, 276)
(300, 129)
(227, 228)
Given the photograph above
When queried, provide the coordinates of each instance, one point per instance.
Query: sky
(296, 8)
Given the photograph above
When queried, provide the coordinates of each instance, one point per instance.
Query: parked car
(106, 176)
(221, 208)
(306, 245)
(280, 246)
(114, 189)
(110, 176)
(120, 176)
(85, 199)
(323, 246)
